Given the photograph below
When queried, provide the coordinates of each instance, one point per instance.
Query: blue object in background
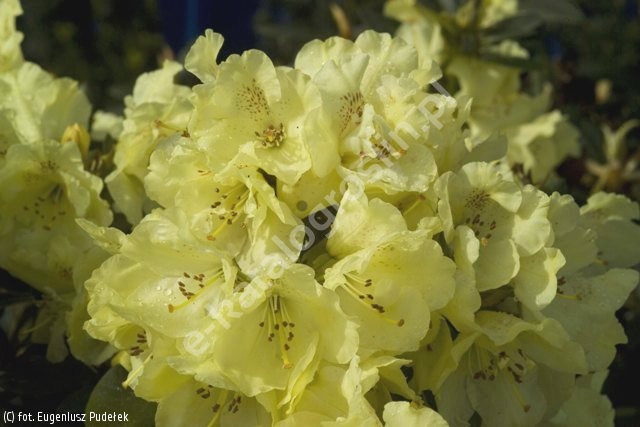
(183, 21)
(631, 9)
(553, 47)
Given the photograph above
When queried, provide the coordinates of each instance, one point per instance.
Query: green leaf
(552, 11)
(76, 401)
(514, 27)
(109, 396)
(509, 61)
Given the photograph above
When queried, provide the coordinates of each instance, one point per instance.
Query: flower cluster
(331, 238)
(44, 147)
(340, 242)
(538, 139)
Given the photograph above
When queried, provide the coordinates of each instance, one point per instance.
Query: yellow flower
(387, 277)
(257, 109)
(158, 109)
(10, 38)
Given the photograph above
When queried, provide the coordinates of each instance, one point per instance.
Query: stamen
(234, 406)
(162, 125)
(37, 326)
(576, 297)
(271, 137)
(136, 373)
(191, 296)
(351, 286)
(525, 406)
(419, 199)
(278, 320)
(228, 208)
(220, 402)
(601, 261)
